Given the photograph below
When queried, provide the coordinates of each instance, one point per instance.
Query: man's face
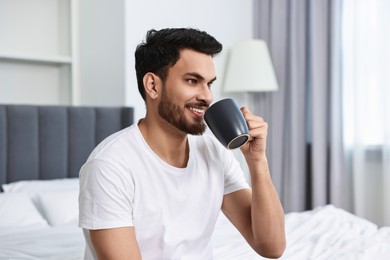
(186, 92)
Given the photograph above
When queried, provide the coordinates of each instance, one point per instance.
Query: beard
(174, 115)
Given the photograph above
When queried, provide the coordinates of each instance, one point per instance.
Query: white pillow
(60, 207)
(17, 209)
(35, 186)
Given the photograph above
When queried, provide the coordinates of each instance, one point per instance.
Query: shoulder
(114, 152)
(115, 143)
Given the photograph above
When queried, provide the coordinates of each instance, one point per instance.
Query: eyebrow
(200, 77)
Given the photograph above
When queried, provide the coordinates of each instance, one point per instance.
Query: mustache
(198, 104)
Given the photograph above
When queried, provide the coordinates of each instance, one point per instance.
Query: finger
(259, 131)
(258, 123)
(248, 115)
(246, 112)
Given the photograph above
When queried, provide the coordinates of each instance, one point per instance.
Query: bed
(41, 151)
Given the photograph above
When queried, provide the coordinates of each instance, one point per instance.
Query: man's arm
(115, 243)
(257, 213)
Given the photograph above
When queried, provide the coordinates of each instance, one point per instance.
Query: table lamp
(249, 68)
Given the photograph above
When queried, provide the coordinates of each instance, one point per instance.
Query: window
(366, 71)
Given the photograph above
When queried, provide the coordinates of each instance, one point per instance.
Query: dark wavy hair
(161, 50)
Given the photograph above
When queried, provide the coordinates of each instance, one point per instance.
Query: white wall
(227, 20)
(102, 52)
(105, 34)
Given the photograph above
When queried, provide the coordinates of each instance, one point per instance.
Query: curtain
(305, 141)
(366, 81)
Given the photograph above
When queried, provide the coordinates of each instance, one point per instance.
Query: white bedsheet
(323, 233)
(43, 243)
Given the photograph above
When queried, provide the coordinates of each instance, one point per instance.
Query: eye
(192, 81)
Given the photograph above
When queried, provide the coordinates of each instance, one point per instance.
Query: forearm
(266, 210)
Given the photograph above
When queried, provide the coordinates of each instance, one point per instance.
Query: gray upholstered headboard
(48, 142)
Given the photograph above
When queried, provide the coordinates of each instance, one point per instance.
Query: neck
(169, 143)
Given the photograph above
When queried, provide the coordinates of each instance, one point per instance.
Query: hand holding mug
(258, 130)
(226, 121)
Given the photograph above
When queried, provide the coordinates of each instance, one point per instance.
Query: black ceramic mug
(225, 120)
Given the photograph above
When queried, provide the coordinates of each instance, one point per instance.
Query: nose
(205, 95)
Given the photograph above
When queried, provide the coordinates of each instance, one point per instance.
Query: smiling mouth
(198, 110)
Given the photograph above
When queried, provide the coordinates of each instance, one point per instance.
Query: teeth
(197, 110)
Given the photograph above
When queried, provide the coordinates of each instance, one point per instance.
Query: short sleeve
(234, 179)
(106, 196)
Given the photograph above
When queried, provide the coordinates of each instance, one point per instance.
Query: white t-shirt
(173, 210)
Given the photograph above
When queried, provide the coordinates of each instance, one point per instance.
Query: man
(154, 190)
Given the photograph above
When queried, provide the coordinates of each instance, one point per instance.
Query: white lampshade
(249, 68)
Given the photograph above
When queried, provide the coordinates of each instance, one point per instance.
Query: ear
(151, 85)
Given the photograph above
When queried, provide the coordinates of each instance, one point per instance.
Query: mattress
(323, 233)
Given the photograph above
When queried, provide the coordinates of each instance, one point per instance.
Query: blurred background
(329, 112)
